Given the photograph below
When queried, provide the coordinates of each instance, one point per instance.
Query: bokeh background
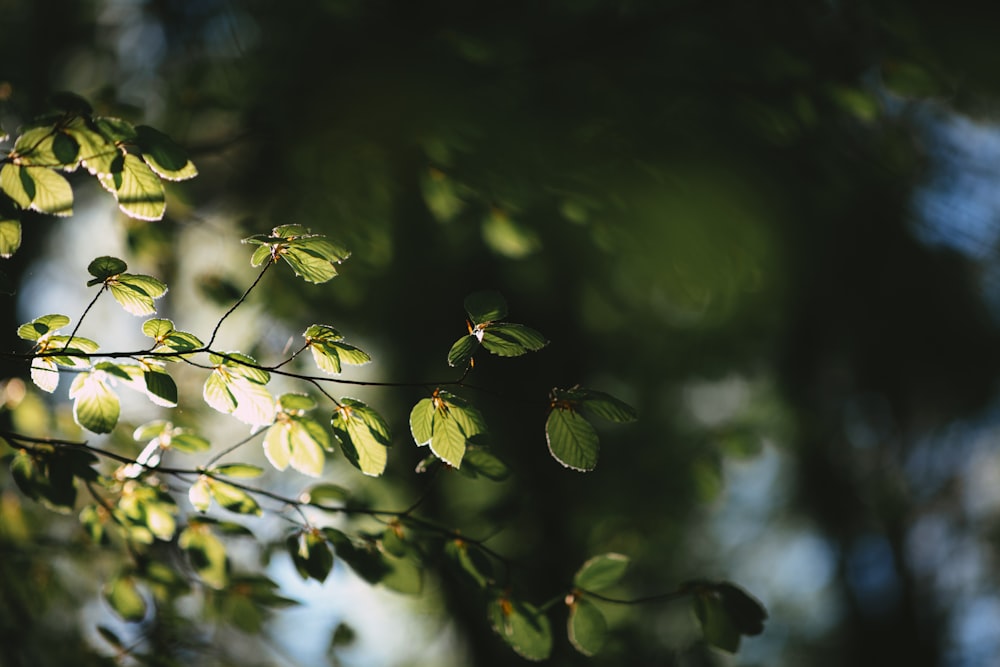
(772, 227)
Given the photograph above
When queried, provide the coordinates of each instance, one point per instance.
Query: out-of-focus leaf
(586, 626)
(572, 440)
(522, 626)
(601, 572)
(96, 406)
(125, 599)
(163, 156)
(206, 553)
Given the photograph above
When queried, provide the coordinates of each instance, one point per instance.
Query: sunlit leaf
(44, 374)
(103, 268)
(136, 292)
(445, 422)
(239, 390)
(96, 406)
(161, 388)
(97, 152)
(116, 129)
(138, 190)
(601, 572)
(13, 182)
(586, 626)
(53, 193)
(364, 436)
(125, 599)
(233, 498)
(206, 553)
(572, 440)
(511, 340)
(163, 156)
(200, 495)
(486, 306)
(41, 326)
(522, 626)
(463, 349)
(241, 470)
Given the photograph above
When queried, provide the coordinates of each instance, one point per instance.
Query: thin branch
(86, 310)
(238, 303)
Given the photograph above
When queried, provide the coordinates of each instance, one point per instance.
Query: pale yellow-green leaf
(44, 374)
(139, 191)
(10, 183)
(53, 194)
(10, 237)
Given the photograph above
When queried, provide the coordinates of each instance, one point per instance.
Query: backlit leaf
(363, 434)
(233, 498)
(105, 267)
(12, 183)
(41, 326)
(10, 236)
(586, 626)
(53, 193)
(125, 599)
(242, 470)
(601, 572)
(572, 440)
(96, 406)
(522, 626)
(138, 190)
(463, 349)
(485, 306)
(512, 340)
(206, 553)
(163, 156)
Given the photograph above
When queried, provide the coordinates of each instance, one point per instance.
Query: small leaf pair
(572, 440)
(312, 256)
(486, 310)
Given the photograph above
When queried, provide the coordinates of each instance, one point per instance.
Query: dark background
(768, 226)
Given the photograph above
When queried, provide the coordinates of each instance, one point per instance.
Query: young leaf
(445, 422)
(237, 389)
(160, 387)
(53, 193)
(601, 572)
(17, 184)
(325, 493)
(200, 495)
(103, 268)
(572, 440)
(242, 470)
(463, 350)
(232, 498)
(511, 340)
(163, 156)
(311, 555)
(329, 352)
(312, 256)
(42, 326)
(138, 190)
(522, 626)
(97, 152)
(206, 553)
(486, 306)
(44, 374)
(96, 407)
(586, 626)
(136, 292)
(363, 434)
(295, 439)
(124, 597)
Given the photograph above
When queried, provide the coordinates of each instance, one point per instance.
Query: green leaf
(463, 349)
(66, 149)
(44, 374)
(160, 388)
(53, 193)
(522, 626)
(327, 350)
(232, 498)
(311, 555)
(601, 571)
(169, 339)
(12, 182)
(200, 495)
(296, 440)
(363, 434)
(206, 553)
(311, 256)
(596, 403)
(480, 461)
(125, 599)
(486, 306)
(422, 421)
(96, 407)
(511, 340)
(138, 190)
(297, 404)
(116, 129)
(104, 268)
(471, 561)
(242, 470)
(586, 626)
(135, 292)
(97, 153)
(42, 326)
(445, 422)
(572, 440)
(163, 156)
(716, 624)
(324, 493)
(239, 390)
